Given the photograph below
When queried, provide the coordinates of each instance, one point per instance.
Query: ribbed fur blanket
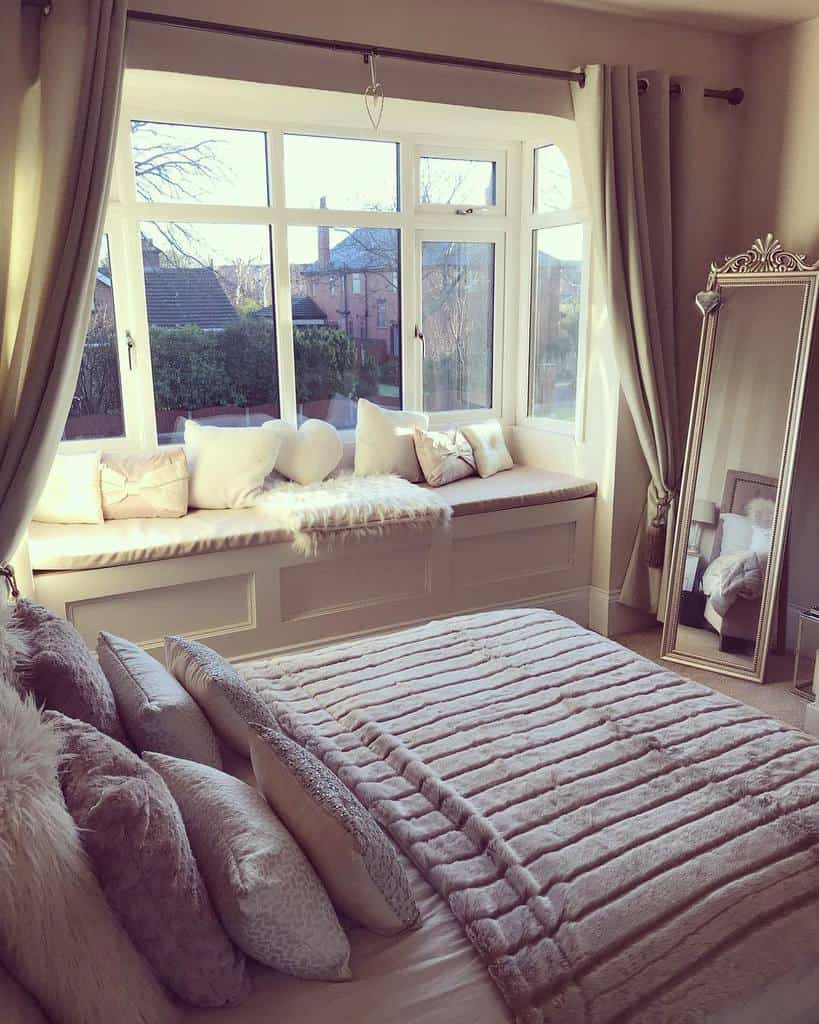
(618, 843)
(348, 507)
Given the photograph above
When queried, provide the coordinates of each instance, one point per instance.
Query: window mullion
(281, 278)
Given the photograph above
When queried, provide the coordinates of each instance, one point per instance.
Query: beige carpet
(774, 697)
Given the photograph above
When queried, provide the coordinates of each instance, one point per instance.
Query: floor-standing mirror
(758, 318)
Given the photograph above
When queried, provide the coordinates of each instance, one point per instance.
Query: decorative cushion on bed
(61, 672)
(354, 858)
(269, 898)
(228, 465)
(147, 485)
(72, 491)
(219, 690)
(384, 442)
(58, 934)
(307, 455)
(156, 711)
(134, 834)
(444, 456)
(489, 445)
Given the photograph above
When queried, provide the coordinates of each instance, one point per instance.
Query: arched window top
(553, 180)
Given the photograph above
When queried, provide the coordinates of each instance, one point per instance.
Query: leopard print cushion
(354, 858)
(219, 690)
(270, 900)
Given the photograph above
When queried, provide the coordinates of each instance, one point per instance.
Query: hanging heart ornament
(374, 102)
(708, 302)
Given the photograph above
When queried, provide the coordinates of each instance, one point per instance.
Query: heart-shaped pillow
(309, 454)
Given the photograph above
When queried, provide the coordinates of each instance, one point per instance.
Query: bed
(594, 838)
(739, 555)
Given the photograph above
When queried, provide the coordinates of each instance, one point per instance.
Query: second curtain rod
(732, 96)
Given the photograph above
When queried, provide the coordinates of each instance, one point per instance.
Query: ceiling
(746, 17)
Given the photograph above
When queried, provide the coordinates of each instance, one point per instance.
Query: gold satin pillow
(444, 456)
(148, 485)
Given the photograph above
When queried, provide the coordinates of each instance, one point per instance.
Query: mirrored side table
(807, 647)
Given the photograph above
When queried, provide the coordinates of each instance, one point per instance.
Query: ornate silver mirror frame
(765, 264)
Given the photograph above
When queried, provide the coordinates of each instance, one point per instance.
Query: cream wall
(527, 33)
(779, 192)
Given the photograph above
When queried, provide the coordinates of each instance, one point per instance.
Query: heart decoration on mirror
(373, 94)
(708, 302)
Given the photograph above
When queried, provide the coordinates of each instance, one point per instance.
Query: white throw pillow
(72, 492)
(385, 443)
(489, 447)
(736, 533)
(228, 464)
(307, 455)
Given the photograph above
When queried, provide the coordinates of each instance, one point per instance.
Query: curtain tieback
(656, 532)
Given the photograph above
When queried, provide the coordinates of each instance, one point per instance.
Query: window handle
(419, 334)
(131, 345)
(465, 211)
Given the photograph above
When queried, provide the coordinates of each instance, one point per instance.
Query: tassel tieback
(656, 533)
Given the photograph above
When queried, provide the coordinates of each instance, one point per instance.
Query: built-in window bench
(520, 537)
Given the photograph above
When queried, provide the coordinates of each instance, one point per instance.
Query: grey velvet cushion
(61, 672)
(135, 838)
(270, 900)
(157, 712)
(230, 705)
(354, 858)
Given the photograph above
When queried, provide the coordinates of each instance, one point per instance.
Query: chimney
(150, 254)
(323, 238)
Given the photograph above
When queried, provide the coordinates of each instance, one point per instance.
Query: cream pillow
(445, 456)
(72, 492)
(384, 441)
(489, 446)
(269, 899)
(146, 485)
(228, 464)
(307, 455)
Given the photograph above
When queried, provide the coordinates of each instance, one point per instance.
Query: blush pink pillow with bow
(152, 485)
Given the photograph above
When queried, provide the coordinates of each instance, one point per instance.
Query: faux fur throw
(621, 846)
(347, 507)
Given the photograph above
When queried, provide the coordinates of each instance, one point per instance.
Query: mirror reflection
(728, 525)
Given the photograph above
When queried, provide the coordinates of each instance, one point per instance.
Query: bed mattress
(617, 843)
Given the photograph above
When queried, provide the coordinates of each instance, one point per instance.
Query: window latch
(131, 345)
(419, 334)
(465, 211)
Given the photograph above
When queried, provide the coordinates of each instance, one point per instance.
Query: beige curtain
(629, 145)
(60, 82)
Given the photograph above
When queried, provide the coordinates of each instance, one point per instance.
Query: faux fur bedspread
(618, 843)
(348, 507)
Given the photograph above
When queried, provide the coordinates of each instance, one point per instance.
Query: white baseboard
(611, 618)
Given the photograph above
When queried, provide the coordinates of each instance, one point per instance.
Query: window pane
(185, 163)
(457, 300)
(553, 181)
(96, 409)
(347, 342)
(556, 296)
(209, 295)
(451, 182)
(340, 174)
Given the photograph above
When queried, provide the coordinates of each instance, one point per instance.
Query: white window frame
(482, 154)
(156, 97)
(531, 221)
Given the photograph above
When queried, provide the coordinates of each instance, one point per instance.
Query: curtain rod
(732, 96)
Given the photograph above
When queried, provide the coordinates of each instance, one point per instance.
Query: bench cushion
(519, 487)
(54, 546)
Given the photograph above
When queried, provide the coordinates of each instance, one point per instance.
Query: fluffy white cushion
(307, 455)
(270, 900)
(228, 464)
(384, 441)
(489, 447)
(72, 492)
(57, 933)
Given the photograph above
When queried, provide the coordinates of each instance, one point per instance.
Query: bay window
(253, 269)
